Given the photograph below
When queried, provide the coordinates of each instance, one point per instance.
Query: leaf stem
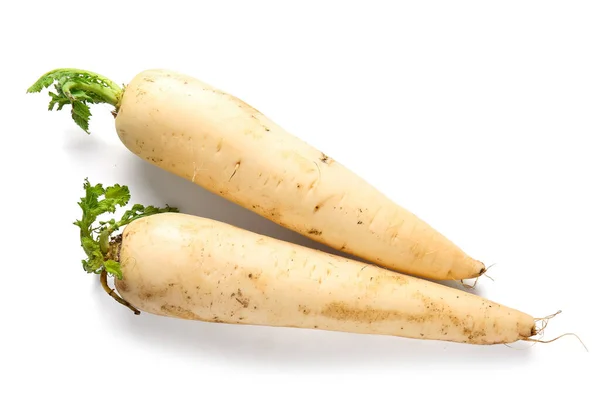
(107, 94)
(113, 294)
(103, 240)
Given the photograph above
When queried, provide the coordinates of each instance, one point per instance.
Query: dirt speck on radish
(343, 311)
(179, 312)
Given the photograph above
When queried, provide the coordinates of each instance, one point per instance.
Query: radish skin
(194, 268)
(224, 145)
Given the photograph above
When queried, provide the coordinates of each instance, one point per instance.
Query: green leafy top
(95, 237)
(79, 88)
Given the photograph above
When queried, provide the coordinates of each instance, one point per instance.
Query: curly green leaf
(95, 235)
(79, 88)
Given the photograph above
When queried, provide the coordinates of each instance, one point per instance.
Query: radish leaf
(80, 88)
(95, 236)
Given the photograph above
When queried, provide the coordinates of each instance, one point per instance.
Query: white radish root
(195, 268)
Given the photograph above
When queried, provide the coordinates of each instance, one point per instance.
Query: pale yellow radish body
(195, 268)
(224, 145)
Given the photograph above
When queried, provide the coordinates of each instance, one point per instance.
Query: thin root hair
(469, 286)
(543, 321)
(549, 316)
(483, 273)
(554, 339)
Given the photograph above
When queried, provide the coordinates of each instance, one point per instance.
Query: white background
(480, 117)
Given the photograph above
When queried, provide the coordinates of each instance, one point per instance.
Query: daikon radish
(217, 141)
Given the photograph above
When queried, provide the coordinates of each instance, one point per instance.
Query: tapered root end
(485, 269)
(537, 332)
(482, 272)
(534, 331)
